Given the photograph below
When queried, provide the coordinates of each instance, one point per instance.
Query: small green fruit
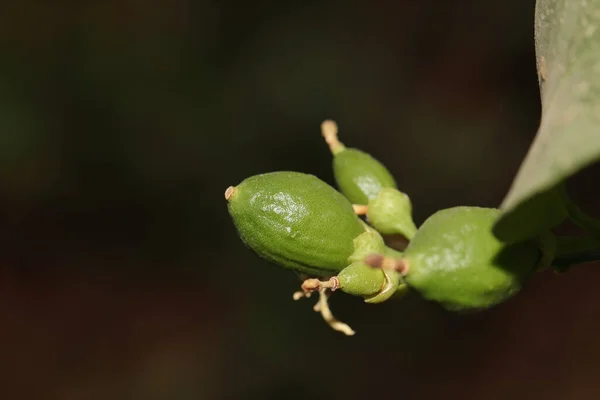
(359, 176)
(359, 279)
(295, 220)
(374, 284)
(390, 212)
(456, 260)
(368, 242)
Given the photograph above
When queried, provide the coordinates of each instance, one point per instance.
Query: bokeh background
(121, 125)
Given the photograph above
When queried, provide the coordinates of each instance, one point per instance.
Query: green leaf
(532, 216)
(581, 219)
(575, 250)
(567, 36)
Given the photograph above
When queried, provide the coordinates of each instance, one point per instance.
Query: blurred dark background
(121, 125)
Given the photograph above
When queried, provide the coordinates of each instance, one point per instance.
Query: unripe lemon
(358, 175)
(295, 220)
(455, 260)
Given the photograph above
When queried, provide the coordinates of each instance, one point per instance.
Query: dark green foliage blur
(123, 122)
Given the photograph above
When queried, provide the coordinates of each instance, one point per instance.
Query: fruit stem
(360, 209)
(323, 307)
(312, 285)
(389, 263)
(329, 130)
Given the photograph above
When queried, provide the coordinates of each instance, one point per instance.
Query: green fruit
(373, 284)
(359, 279)
(295, 220)
(368, 242)
(390, 212)
(456, 260)
(359, 176)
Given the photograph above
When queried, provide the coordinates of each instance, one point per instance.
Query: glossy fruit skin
(295, 220)
(359, 176)
(455, 260)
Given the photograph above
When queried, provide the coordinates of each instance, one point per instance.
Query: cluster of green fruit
(299, 222)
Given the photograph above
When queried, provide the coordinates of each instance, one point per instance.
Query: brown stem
(380, 261)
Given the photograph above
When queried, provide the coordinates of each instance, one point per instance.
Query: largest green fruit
(455, 259)
(295, 220)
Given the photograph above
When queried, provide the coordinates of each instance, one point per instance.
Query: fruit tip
(329, 128)
(229, 192)
(360, 209)
(329, 131)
